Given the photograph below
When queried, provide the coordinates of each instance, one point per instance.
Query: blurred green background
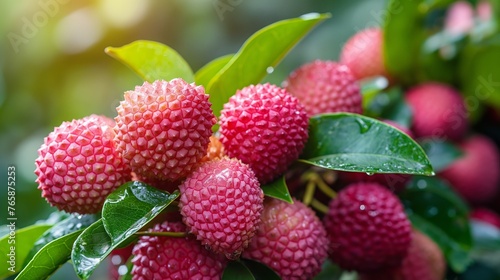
(53, 67)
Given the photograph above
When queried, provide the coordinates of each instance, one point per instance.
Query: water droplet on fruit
(362, 207)
(122, 269)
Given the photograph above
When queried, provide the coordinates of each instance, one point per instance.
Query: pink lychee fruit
(325, 87)
(265, 127)
(78, 165)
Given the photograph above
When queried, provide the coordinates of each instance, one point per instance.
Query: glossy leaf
(264, 49)
(351, 142)
(371, 87)
(207, 72)
(130, 207)
(435, 209)
(441, 153)
(390, 105)
(91, 247)
(152, 61)
(69, 225)
(260, 271)
(278, 189)
(50, 257)
(236, 270)
(22, 241)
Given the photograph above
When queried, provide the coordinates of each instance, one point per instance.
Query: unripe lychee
(162, 257)
(475, 175)
(363, 53)
(325, 87)
(290, 239)
(78, 165)
(425, 260)
(487, 216)
(368, 228)
(163, 128)
(221, 203)
(265, 127)
(438, 110)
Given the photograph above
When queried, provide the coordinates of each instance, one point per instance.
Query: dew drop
(122, 269)
(421, 184)
(270, 70)
(362, 207)
(369, 173)
(432, 211)
(363, 126)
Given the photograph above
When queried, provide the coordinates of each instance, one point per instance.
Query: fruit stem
(316, 204)
(309, 194)
(168, 234)
(324, 187)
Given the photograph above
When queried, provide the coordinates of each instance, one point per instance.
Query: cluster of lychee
(162, 135)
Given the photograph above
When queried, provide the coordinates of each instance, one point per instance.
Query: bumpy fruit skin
(163, 128)
(78, 165)
(161, 257)
(475, 175)
(325, 87)
(221, 203)
(487, 216)
(438, 110)
(265, 127)
(367, 228)
(290, 239)
(363, 54)
(425, 260)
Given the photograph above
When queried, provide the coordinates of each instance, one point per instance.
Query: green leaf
(130, 207)
(441, 153)
(152, 61)
(50, 257)
(278, 189)
(69, 225)
(236, 270)
(21, 241)
(125, 211)
(329, 271)
(371, 88)
(435, 209)
(391, 105)
(260, 271)
(207, 72)
(352, 142)
(91, 247)
(264, 49)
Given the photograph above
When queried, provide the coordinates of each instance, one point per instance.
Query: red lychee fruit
(475, 175)
(438, 110)
(363, 53)
(290, 239)
(78, 165)
(425, 260)
(325, 87)
(265, 127)
(487, 216)
(163, 128)
(164, 257)
(368, 228)
(221, 203)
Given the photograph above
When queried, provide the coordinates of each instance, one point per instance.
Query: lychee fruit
(425, 260)
(221, 203)
(163, 128)
(438, 111)
(367, 228)
(78, 165)
(290, 239)
(265, 127)
(363, 53)
(476, 174)
(165, 257)
(487, 216)
(325, 87)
